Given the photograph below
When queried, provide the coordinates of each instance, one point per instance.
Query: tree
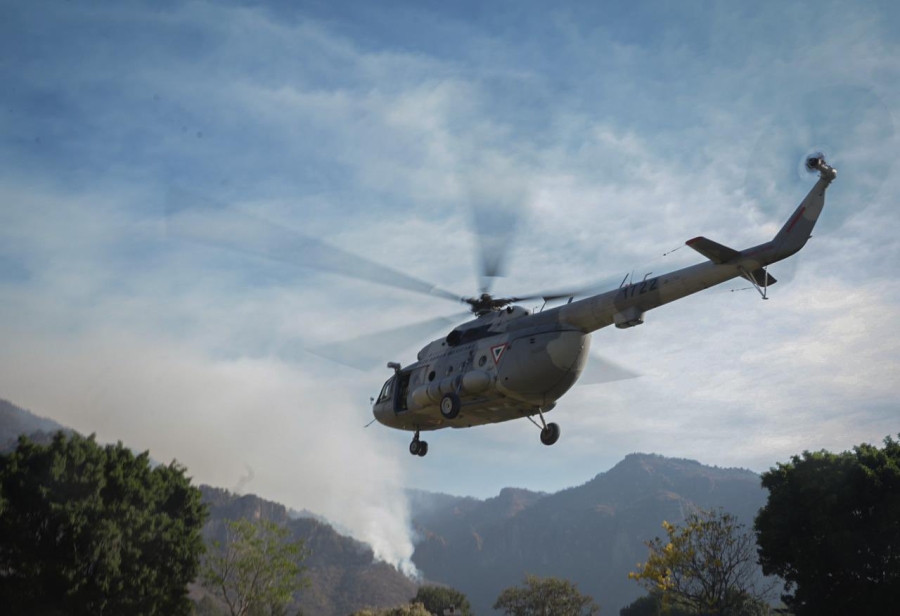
(831, 530)
(438, 598)
(708, 566)
(545, 597)
(257, 570)
(86, 529)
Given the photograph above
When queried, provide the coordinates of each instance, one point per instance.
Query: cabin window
(482, 361)
(431, 376)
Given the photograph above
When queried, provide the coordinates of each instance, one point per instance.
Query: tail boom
(626, 305)
(798, 229)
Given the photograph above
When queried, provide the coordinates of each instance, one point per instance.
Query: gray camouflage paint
(521, 363)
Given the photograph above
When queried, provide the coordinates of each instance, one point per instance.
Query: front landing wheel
(550, 434)
(423, 449)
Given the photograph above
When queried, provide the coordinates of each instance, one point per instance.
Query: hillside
(15, 421)
(343, 574)
(592, 534)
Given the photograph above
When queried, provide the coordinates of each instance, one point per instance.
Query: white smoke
(244, 479)
(303, 433)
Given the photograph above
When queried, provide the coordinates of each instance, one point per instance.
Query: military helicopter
(508, 362)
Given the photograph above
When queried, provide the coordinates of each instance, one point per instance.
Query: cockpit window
(465, 336)
(386, 390)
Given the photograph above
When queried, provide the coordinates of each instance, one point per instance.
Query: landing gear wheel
(450, 406)
(417, 447)
(550, 434)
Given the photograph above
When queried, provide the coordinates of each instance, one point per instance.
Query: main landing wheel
(550, 434)
(450, 406)
(418, 448)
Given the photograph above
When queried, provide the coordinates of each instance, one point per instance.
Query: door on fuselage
(401, 390)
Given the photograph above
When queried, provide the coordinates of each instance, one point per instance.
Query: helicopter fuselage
(509, 363)
(503, 365)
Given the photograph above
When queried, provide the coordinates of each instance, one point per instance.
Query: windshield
(386, 390)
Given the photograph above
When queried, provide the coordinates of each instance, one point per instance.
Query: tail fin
(798, 229)
(719, 254)
(715, 252)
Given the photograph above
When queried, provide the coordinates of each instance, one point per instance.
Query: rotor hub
(485, 303)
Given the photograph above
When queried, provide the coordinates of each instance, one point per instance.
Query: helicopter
(508, 362)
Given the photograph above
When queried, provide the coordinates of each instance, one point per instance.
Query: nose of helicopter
(379, 411)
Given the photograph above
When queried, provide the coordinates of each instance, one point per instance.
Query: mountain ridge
(592, 533)
(15, 420)
(343, 573)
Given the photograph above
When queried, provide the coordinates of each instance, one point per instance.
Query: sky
(610, 132)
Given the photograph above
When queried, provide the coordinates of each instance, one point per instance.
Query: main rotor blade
(599, 370)
(370, 350)
(606, 284)
(494, 229)
(498, 202)
(202, 221)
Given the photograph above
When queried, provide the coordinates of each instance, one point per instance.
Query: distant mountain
(15, 421)
(343, 574)
(460, 521)
(592, 534)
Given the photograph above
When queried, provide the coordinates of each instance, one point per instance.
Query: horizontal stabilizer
(713, 251)
(761, 277)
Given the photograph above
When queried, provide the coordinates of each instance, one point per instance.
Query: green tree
(438, 598)
(86, 529)
(257, 570)
(707, 566)
(831, 530)
(545, 597)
